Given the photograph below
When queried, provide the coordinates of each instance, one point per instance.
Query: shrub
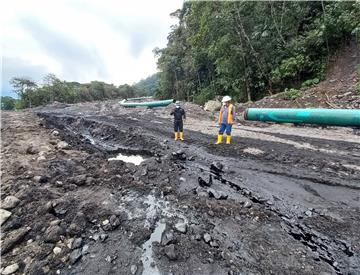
(291, 94)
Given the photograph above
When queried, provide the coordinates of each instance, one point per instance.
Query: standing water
(135, 159)
(147, 257)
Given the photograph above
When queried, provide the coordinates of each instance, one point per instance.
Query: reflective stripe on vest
(230, 116)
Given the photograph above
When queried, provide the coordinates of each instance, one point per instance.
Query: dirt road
(279, 200)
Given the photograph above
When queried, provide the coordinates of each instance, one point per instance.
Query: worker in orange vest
(226, 120)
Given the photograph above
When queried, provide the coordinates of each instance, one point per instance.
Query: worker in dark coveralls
(179, 115)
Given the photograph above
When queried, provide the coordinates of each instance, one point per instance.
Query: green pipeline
(335, 117)
(151, 104)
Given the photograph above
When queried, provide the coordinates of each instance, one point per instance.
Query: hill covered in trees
(31, 94)
(252, 49)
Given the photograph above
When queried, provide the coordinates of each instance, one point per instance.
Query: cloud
(16, 67)
(81, 40)
(74, 57)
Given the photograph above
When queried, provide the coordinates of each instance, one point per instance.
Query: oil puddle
(135, 159)
(149, 267)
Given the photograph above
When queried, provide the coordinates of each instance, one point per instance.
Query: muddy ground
(279, 200)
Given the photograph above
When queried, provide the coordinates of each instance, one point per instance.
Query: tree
(249, 49)
(7, 103)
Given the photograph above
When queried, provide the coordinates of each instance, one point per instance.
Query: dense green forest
(147, 86)
(52, 89)
(252, 49)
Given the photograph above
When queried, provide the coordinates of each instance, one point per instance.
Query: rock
(4, 215)
(85, 249)
(170, 252)
(198, 237)
(9, 202)
(89, 180)
(103, 237)
(57, 250)
(217, 194)
(52, 234)
(79, 180)
(10, 269)
(191, 158)
(108, 258)
(133, 269)
(214, 244)
(181, 227)
(203, 183)
(114, 221)
(212, 106)
(207, 237)
(55, 133)
(247, 204)
(75, 255)
(55, 222)
(41, 179)
(32, 150)
(167, 238)
(308, 213)
(76, 243)
(13, 238)
(61, 207)
(216, 166)
(62, 145)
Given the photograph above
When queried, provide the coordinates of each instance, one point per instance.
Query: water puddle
(147, 257)
(135, 159)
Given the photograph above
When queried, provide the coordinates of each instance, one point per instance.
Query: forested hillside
(252, 49)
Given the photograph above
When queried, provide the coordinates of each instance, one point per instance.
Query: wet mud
(253, 207)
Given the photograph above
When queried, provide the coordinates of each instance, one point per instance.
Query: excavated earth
(278, 200)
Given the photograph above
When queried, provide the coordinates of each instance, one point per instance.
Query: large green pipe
(336, 117)
(160, 103)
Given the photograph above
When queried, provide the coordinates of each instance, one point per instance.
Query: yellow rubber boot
(228, 139)
(176, 136)
(219, 139)
(181, 136)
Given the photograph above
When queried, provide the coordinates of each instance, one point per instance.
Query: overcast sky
(83, 40)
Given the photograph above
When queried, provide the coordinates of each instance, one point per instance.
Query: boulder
(212, 106)
(9, 202)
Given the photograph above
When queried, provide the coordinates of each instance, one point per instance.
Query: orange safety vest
(230, 116)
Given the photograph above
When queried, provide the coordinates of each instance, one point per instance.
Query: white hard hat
(226, 98)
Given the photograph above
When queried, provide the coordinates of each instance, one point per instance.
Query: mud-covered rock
(79, 179)
(77, 243)
(170, 252)
(53, 233)
(75, 255)
(167, 238)
(32, 150)
(181, 227)
(13, 238)
(217, 194)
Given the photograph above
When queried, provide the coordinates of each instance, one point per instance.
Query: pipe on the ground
(151, 104)
(334, 117)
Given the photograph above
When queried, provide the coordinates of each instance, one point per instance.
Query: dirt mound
(336, 91)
